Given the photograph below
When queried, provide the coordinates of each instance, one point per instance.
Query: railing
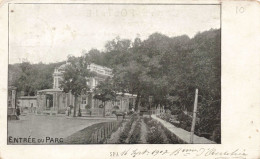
(51, 111)
(99, 112)
(103, 133)
(157, 111)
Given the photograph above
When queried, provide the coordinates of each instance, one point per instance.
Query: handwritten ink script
(201, 152)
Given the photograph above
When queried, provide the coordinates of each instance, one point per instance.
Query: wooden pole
(194, 116)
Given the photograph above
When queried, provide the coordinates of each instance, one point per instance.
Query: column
(13, 98)
(44, 102)
(54, 100)
(58, 101)
(92, 101)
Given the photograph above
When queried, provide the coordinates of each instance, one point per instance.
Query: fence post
(101, 134)
(104, 131)
(105, 128)
(110, 125)
(108, 129)
(92, 138)
(194, 116)
(97, 132)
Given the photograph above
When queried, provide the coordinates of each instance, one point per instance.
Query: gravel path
(143, 132)
(48, 126)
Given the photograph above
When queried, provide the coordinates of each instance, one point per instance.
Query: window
(118, 102)
(83, 100)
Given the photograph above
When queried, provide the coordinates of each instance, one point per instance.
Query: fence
(103, 133)
(28, 110)
(97, 112)
(51, 111)
(157, 111)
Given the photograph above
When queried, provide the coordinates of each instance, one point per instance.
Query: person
(18, 112)
(90, 112)
(68, 110)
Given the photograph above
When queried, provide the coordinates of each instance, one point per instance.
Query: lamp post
(194, 116)
(150, 102)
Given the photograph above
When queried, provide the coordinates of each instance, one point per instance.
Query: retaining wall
(181, 134)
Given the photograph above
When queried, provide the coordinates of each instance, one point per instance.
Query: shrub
(185, 121)
(123, 136)
(116, 107)
(135, 137)
(101, 106)
(170, 118)
(87, 106)
(155, 133)
(170, 136)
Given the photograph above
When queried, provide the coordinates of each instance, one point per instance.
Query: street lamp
(150, 103)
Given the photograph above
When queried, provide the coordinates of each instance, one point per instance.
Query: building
(27, 104)
(55, 101)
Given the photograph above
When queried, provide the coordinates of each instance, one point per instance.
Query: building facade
(55, 101)
(27, 104)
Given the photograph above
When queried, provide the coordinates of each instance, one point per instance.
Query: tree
(104, 92)
(75, 78)
(31, 77)
(97, 57)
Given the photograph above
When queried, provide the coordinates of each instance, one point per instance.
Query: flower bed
(128, 126)
(155, 133)
(135, 137)
(158, 134)
(172, 138)
(173, 119)
(182, 120)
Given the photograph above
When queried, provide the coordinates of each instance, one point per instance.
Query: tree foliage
(104, 92)
(30, 78)
(75, 76)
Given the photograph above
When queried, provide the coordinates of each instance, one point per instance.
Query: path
(143, 132)
(48, 126)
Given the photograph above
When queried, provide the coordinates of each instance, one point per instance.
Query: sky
(48, 33)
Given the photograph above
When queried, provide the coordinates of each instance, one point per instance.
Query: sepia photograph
(114, 73)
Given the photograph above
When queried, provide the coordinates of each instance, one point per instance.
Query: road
(35, 126)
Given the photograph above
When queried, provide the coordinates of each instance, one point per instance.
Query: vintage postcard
(121, 79)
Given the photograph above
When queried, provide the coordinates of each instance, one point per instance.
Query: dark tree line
(31, 77)
(164, 67)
